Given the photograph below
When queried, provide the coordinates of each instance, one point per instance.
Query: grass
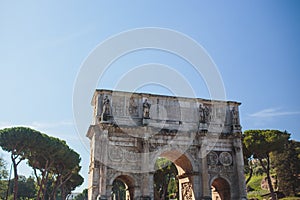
(257, 194)
(255, 183)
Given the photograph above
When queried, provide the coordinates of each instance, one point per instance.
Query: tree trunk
(269, 179)
(59, 183)
(56, 187)
(165, 191)
(15, 165)
(41, 183)
(271, 187)
(63, 193)
(45, 185)
(267, 170)
(250, 175)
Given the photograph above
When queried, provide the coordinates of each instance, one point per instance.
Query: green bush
(255, 182)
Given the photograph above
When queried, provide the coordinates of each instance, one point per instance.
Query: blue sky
(254, 44)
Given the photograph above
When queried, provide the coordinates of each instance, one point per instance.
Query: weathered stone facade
(130, 131)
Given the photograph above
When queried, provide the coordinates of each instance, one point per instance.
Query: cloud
(39, 125)
(63, 129)
(272, 112)
(47, 125)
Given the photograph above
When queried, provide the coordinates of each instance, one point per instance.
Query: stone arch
(221, 189)
(173, 155)
(182, 163)
(142, 139)
(185, 168)
(128, 181)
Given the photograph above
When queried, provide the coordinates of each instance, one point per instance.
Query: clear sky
(255, 45)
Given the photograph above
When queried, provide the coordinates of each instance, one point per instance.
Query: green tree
(70, 184)
(52, 160)
(27, 189)
(248, 162)
(260, 144)
(287, 165)
(119, 190)
(83, 195)
(18, 141)
(165, 173)
(173, 188)
(65, 167)
(3, 177)
(43, 160)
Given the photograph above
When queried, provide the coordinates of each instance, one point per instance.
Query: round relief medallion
(225, 158)
(115, 153)
(212, 158)
(131, 156)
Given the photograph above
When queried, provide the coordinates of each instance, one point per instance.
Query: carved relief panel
(118, 104)
(120, 154)
(187, 191)
(133, 107)
(220, 163)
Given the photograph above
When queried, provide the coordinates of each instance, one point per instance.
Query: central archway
(165, 180)
(185, 173)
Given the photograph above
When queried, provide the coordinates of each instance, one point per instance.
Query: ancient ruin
(130, 131)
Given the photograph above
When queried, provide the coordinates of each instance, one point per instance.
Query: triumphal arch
(130, 131)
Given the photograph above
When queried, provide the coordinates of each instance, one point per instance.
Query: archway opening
(220, 189)
(183, 182)
(122, 188)
(165, 180)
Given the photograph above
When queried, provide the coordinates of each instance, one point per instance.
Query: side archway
(220, 189)
(123, 187)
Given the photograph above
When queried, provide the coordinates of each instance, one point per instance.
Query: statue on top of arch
(204, 113)
(146, 109)
(106, 109)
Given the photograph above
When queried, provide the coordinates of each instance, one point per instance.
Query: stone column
(103, 152)
(137, 193)
(108, 193)
(206, 191)
(237, 143)
(197, 181)
(151, 185)
(145, 185)
(94, 169)
(93, 185)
